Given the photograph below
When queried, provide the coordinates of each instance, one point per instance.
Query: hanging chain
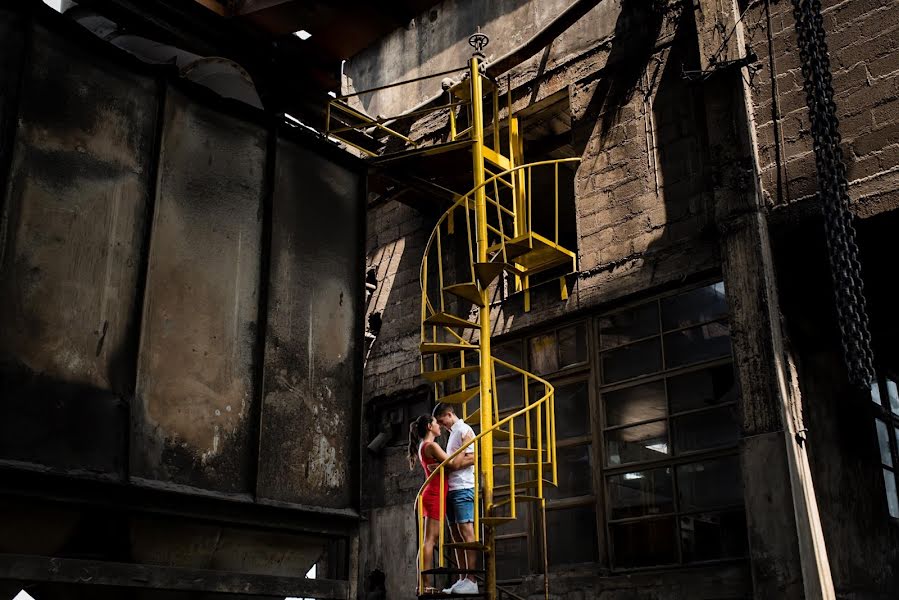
(833, 191)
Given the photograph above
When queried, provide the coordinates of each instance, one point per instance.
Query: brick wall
(642, 214)
(395, 244)
(863, 38)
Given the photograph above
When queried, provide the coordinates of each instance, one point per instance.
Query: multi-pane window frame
(670, 461)
(577, 372)
(563, 376)
(513, 352)
(885, 399)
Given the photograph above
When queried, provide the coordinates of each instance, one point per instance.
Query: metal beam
(175, 501)
(96, 572)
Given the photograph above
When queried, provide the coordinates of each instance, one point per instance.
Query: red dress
(431, 494)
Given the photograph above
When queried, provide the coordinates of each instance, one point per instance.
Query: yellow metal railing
(341, 118)
(489, 233)
(505, 225)
(509, 198)
(538, 439)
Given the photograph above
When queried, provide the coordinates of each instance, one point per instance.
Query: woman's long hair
(418, 429)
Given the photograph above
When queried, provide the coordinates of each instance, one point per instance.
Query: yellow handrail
(549, 390)
(499, 238)
(465, 203)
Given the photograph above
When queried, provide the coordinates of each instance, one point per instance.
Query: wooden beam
(95, 572)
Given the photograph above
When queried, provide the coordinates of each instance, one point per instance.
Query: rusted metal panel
(12, 49)
(192, 414)
(72, 236)
(308, 447)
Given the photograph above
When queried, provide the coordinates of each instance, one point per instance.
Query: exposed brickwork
(643, 202)
(641, 207)
(396, 239)
(863, 36)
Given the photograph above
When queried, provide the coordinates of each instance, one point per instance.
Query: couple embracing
(457, 492)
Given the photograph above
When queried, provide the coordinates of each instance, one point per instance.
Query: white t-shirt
(462, 479)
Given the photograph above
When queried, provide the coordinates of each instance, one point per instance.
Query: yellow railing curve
(531, 410)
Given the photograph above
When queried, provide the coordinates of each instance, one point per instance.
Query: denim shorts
(460, 506)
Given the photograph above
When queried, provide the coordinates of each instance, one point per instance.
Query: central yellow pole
(486, 394)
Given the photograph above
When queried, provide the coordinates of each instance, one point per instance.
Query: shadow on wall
(636, 31)
(651, 129)
(445, 28)
(680, 144)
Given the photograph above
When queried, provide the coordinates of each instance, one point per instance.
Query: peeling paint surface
(311, 365)
(72, 222)
(73, 217)
(195, 383)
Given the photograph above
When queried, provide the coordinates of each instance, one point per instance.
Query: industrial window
(647, 438)
(561, 357)
(668, 399)
(885, 395)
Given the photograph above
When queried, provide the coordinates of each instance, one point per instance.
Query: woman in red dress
(422, 433)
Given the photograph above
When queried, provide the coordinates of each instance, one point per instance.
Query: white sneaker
(450, 589)
(465, 586)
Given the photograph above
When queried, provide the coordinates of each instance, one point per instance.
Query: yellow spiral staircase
(485, 245)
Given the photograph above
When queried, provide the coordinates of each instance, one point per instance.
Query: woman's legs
(432, 536)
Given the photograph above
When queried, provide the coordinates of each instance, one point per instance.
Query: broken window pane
(637, 359)
(629, 325)
(634, 404)
(640, 494)
(640, 443)
(573, 345)
(542, 354)
(575, 472)
(711, 536)
(883, 436)
(571, 535)
(644, 543)
(696, 306)
(697, 344)
(710, 484)
(702, 389)
(704, 430)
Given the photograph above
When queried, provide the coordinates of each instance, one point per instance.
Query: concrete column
(789, 560)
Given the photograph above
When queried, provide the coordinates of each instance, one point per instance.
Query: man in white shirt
(460, 499)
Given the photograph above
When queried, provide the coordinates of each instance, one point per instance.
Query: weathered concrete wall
(72, 238)
(395, 244)
(193, 405)
(862, 39)
(135, 242)
(312, 359)
(438, 41)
